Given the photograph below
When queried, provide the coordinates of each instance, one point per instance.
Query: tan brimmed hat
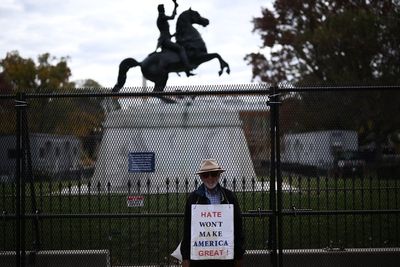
(209, 165)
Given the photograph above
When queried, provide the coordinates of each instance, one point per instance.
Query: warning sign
(135, 201)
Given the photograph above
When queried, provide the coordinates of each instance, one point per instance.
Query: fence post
(28, 175)
(272, 245)
(277, 102)
(275, 223)
(20, 105)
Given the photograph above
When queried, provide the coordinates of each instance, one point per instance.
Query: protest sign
(212, 232)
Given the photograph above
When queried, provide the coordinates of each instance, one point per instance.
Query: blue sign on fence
(141, 162)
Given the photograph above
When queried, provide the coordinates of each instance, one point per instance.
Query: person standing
(211, 192)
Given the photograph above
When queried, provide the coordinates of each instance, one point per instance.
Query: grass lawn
(150, 239)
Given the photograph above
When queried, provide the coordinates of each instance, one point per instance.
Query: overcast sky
(97, 34)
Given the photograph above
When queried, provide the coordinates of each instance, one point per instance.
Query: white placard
(212, 232)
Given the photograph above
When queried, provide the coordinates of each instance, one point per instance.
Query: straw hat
(209, 165)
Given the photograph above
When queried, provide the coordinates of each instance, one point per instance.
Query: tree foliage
(73, 116)
(48, 75)
(319, 42)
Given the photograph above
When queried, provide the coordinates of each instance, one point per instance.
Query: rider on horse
(156, 66)
(164, 41)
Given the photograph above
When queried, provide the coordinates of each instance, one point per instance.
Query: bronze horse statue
(157, 65)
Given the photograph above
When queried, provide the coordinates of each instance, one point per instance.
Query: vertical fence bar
(396, 186)
(23, 189)
(371, 237)
(110, 232)
(362, 208)
(121, 249)
(354, 208)
(129, 184)
(80, 211)
(253, 206)
(21, 147)
(14, 201)
(168, 232)
(89, 185)
(328, 237)
(70, 212)
(244, 199)
(28, 174)
(263, 226)
(51, 211)
(149, 240)
(387, 215)
(4, 212)
(345, 207)
(100, 225)
(379, 208)
(158, 223)
(60, 210)
(279, 182)
(309, 207)
(300, 206)
(272, 187)
(24, 172)
(18, 247)
(336, 208)
(139, 187)
(40, 209)
(291, 205)
(176, 210)
(319, 208)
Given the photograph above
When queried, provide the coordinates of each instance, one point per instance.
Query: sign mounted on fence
(135, 201)
(141, 161)
(212, 232)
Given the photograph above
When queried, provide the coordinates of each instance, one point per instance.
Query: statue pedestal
(180, 135)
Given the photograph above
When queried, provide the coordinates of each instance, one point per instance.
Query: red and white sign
(212, 232)
(135, 201)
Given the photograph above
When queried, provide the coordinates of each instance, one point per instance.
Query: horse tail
(124, 66)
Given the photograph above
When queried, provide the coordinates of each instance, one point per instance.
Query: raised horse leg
(207, 57)
(124, 66)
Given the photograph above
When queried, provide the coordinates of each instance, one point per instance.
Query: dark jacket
(199, 197)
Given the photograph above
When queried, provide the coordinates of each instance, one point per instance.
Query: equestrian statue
(186, 54)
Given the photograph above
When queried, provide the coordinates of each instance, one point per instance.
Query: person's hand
(185, 263)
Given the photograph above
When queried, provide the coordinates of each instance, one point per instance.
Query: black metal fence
(310, 166)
